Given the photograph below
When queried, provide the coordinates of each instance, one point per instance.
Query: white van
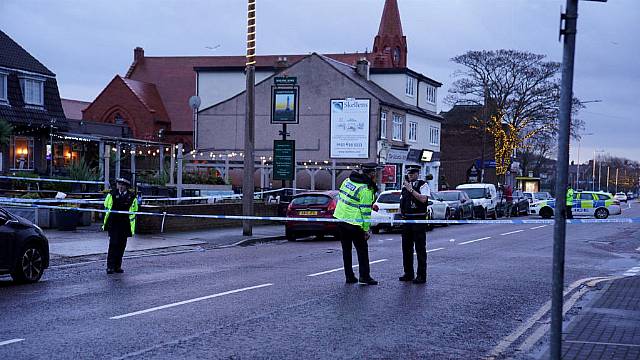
(485, 199)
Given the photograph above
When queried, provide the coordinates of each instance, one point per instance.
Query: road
(289, 300)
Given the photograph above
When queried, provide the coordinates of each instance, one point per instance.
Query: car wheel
(546, 213)
(602, 213)
(290, 235)
(30, 265)
(375, 230)
(495, 215)
(483, 214)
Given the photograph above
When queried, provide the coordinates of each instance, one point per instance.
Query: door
(6, 243)
(584, 204)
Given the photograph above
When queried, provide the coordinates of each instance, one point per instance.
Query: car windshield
(390, 198)
(311, 200)
(475, 193)
(446, 196)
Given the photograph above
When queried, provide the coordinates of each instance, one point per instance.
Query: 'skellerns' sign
(350, 128)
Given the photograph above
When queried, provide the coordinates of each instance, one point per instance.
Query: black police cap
(370, 166)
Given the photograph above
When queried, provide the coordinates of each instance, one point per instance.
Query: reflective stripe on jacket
(108, 204)
(569, 197)
(355, 201)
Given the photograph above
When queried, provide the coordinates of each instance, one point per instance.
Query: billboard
(350, 128)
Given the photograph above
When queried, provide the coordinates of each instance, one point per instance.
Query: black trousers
(569, 213)
(352, 234)
(414, 235)
(117, 244)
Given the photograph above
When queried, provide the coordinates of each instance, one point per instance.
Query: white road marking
(472, 241)
(428, 251)
(632, 272)
(188, 301)
(538, 227)
(452, 240)
(512, 232)
(2, 343)
(342, 268)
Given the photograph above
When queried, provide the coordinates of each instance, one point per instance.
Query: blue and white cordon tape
(376, 221)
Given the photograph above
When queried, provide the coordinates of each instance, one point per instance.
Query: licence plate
(307, 213)
(392, 211)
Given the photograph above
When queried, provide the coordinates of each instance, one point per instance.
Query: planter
(67, 220)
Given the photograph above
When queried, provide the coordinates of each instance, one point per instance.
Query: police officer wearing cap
(413, 206)
(119, 226)
(356, 197)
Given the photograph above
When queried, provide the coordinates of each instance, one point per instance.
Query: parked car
(385, 208)
(537, 196)
(621, 197)
(439, 210)
(630, 195)
(589, 203)
(484, 197)
(311, 205)
(520, 204)
(459, 202)
(24, 249)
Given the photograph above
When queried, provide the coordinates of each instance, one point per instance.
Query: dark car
(24, 249)
(311, 205)
(458, 201)
(520, 204)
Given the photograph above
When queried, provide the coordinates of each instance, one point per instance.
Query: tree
(521, 94)
(6, 130)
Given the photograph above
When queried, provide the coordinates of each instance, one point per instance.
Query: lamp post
(578, 168)
(570, 19)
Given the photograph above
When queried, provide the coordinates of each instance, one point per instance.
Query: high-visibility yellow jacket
(355, 201)
(569, 197)
(108, 204)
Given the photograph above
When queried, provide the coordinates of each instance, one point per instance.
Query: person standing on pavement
(569, 202)
(119, 226)
(507, 192)
(356, 197)
(413, 206)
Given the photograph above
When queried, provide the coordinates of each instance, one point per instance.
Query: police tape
(388, 221)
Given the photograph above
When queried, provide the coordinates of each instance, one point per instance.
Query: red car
(311, 205)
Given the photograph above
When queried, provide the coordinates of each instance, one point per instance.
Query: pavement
(609, 327)
(91, 240)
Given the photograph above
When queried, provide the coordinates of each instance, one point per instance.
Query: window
(22, 148)
(3, 88)
(434, 135)
(585, 196)
(383, 125)
(411, 82)
(413, 131)
(32, 90)
(397, 127)
(431, 94)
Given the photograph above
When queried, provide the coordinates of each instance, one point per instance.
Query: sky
(87, 42)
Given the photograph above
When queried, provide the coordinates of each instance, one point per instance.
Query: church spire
(390, 45)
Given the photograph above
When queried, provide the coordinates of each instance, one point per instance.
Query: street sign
(488, 164)
(284, 159)
(280, 80)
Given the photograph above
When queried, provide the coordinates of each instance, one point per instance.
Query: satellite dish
(194, 102)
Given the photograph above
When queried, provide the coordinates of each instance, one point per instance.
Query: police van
(585, 203)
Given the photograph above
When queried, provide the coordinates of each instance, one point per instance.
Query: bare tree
(521, 92)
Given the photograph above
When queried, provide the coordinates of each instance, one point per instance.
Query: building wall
(221, 128)
(396, 85)
(216, 86)
(460, 147)
(423, 101)
(118, 98)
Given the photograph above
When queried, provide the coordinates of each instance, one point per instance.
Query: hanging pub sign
(284, 105)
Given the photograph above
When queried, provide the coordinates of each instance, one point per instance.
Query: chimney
(282, 62)
(362, 68)
(138, 54)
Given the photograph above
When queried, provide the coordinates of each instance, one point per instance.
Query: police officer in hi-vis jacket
(119, 226)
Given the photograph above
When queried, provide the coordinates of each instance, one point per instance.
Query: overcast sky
(87, 42)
